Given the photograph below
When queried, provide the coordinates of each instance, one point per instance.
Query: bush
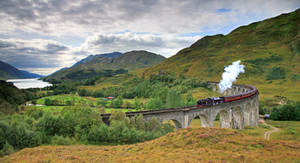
(50, 124)
(287, 112)
(117, 103)
(276, 73)
(60, 140)
(98, 134)
(117, 115)
(7, 149)
(48, 102)
(154, 103)
(295, 77)
(174, 99)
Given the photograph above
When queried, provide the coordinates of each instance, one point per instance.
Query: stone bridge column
(237, 117)
(255, 111)
(225, 118)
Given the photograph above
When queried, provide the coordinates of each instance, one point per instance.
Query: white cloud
(35, 54)
(153, 25)
(166, 45)
(76, 17)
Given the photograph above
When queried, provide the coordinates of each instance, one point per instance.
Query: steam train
(217, 100)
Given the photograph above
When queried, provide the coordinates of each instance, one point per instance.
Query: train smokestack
(230, 75)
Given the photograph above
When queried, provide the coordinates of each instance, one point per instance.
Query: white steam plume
(230, 75)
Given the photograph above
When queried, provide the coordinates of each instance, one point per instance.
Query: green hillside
(269, 49)
(7, 71)
(108, 66)
(11, 97)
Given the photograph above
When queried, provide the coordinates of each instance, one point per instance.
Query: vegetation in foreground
(74, 126)
(184, 145)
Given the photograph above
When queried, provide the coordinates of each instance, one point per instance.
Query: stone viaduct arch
(235, 114)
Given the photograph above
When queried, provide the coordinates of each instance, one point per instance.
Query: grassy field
(64, 99)
(184, 145)
(60, 108)
(78, 101)
(289, 130)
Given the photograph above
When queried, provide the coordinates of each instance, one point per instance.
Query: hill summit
(107, 65)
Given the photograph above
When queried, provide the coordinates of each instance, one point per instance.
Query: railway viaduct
(236, 114)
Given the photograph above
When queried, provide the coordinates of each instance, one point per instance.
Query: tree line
(72, 126)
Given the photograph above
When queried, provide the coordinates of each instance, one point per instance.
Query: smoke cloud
(230, 75)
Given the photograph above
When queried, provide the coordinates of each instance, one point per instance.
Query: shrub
(117, 103)
(7, 149)
(174, 99)
(295, 77)
(48, 102)
(287, 112)
(60, 140)
(117, 115)
(154, 103)
(50, 124)
(98, 134)
(118, 132)
(276, 73)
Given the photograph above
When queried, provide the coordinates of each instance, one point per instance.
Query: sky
(42, 36)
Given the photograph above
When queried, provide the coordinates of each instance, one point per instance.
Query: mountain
(31, 75)
(9, 72)
(107, 64)
(269, 49)
(91, 57)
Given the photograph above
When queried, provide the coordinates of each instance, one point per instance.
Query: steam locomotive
(217, 100)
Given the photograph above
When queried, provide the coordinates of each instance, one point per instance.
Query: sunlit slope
(194, 145)
(269, 49)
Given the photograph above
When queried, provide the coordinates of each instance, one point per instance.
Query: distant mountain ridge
(106, 65)
(91, 57)
(7, 71)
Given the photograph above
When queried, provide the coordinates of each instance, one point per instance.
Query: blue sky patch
(223, 10)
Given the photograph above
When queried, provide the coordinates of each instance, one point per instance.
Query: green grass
(63, 99)
(289, 130)
(60, 108)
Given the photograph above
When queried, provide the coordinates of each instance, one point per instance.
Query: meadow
(184, 145)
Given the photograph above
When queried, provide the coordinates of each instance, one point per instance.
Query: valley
(138, 106)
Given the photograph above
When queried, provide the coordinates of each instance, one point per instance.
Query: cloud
(35, 53)
(64, 17)
(44, 35)
(46, 56)
(166, 45)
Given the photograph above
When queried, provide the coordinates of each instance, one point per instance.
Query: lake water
(29, 83)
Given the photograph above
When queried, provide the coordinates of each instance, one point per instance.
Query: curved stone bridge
(236, 114)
